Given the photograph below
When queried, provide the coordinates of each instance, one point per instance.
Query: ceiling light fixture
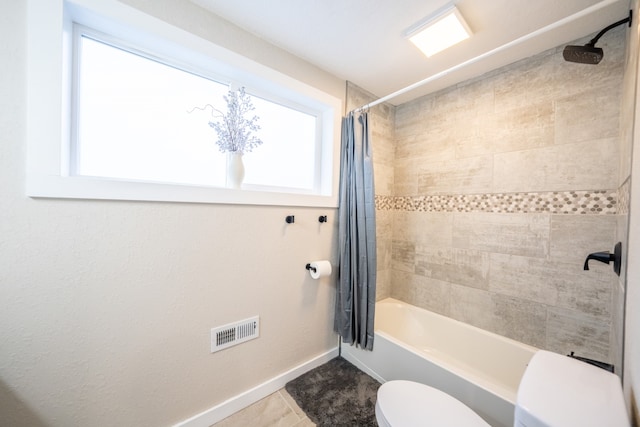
(439, 31)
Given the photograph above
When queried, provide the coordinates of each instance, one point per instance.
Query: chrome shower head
(589, 53)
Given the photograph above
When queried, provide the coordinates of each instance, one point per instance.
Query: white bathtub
(479, 368)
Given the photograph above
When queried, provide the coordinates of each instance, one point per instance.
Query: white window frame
(49, 44)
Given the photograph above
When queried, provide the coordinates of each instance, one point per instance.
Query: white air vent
(234, 333)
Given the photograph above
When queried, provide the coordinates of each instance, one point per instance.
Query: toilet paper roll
(322, 269)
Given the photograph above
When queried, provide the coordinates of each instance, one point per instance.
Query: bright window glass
(136, 119)
(287, 157)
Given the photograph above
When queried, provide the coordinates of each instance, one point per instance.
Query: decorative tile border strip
(624, 197)
(386, 203)
(596, 202)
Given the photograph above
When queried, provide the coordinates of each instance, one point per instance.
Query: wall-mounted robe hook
(322, 218)
(290, 219)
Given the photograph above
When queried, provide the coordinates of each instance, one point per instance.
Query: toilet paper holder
(318, 269)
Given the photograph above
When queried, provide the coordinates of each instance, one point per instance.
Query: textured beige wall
(627, 116)
(106, 307)
(631, 130)
(503, 185)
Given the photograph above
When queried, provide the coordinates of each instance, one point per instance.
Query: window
(138, 118)
(133, 124)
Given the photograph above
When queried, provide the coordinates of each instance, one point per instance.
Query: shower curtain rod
(512, 43)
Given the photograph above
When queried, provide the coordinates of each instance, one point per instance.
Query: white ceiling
(361, 40)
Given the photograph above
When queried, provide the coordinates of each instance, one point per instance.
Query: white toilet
(555, 391)
(407, 403)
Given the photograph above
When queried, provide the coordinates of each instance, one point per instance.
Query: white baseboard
(242, 400)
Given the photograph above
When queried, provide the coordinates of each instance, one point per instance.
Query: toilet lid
(406, 403)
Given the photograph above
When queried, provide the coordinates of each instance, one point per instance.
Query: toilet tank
(558, 391)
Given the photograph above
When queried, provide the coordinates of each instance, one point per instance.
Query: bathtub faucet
(606, 257)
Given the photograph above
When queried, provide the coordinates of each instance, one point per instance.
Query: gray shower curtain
(356, 293)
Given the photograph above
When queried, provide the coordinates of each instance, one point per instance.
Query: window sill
(62, 187)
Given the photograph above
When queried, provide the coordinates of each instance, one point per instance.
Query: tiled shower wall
(501, 187)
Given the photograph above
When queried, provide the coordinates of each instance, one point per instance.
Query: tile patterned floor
(276, 410)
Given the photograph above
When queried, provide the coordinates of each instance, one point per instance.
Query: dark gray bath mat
(336, 394)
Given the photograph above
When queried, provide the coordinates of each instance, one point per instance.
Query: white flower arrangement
(235, 131)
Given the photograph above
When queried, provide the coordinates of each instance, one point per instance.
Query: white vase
(235, 170)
